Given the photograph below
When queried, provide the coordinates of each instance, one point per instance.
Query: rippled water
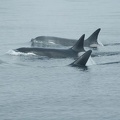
(37, 88)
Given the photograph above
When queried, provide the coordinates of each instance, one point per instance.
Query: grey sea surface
(39, 88)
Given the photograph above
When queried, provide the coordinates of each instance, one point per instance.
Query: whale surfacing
(91, 41)
(82, 60)
(56, 53)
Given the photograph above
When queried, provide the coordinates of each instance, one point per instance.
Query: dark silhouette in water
(56, 53)
(48, 40)
(82, 60)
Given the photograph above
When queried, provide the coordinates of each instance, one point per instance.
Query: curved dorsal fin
(93, 38)
(82, 60)
(79, 45)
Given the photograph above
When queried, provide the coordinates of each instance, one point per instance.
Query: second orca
(91, 41)
(56, 53)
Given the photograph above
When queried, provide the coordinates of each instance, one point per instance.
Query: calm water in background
(33, 88)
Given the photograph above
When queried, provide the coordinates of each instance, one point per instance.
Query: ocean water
(38, 88)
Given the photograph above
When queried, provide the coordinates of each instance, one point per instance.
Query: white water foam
(51, 42)
(96, 45)
(100, 43)
(12, 52)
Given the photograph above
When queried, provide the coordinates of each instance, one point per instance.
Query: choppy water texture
(38, 88)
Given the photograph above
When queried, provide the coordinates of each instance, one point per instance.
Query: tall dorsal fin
(93, 38)
(79, 45)
(82, 60)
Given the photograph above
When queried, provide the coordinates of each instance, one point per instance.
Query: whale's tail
(93, 39)
(82, 60)
(79, 45)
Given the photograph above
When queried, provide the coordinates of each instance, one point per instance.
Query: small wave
(28, 55)
(112, 44)
(96, 45)
(12, 52)
(100, 54)
(50, 44)
(100, 43)
(109, 63)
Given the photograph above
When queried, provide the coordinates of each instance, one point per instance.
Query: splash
(49, 44)
(100, 43)
(12, 52)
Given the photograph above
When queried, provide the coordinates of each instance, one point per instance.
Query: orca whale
(91, 41)
(56, 53)
(82, 60)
